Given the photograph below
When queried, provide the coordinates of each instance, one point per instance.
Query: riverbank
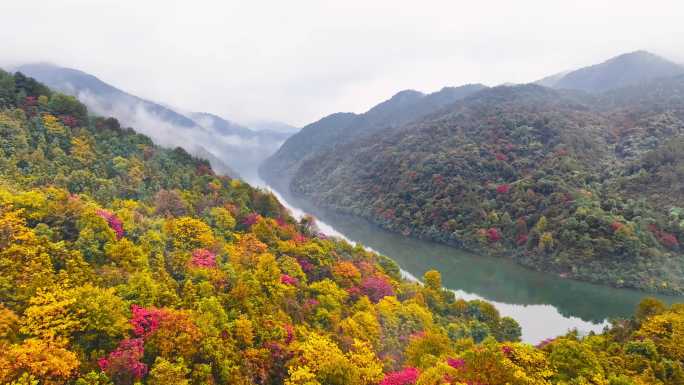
(542, 303)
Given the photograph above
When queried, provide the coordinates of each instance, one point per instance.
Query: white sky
(299, 60)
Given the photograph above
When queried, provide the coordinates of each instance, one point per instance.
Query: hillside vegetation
(338, 129)
(589, 187)
(122, 262)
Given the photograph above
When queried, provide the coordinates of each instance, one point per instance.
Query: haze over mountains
(521, 171)
(337, 129)
(624, 70)
(409, 105)
(232, 148)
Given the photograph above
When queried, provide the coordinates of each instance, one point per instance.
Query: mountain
(587, 186)
(624, 70)
(231, 148)
(551, 80)
(124, 262)
(100, 96)
(220, 125)
(273, 126)
(339, 128)
(244, 149)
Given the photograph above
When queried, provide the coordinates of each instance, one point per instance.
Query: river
(544, 305)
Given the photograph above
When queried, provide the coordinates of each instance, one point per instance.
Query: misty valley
(526, 234)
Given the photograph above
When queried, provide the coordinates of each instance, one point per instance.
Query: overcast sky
(298, 60)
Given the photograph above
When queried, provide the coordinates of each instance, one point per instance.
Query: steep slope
(244, 149)
(624, 70)
(232, 148)
(529, 173)
(340, 128)
(123, 263)
(273, 126)
(551, 80)
(101, 97)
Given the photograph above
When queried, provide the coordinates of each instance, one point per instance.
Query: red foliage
(388, 214)
(204, 169)
(493, 234)
(123, 365)
(69, 120)
(251, 219)
(615, 226)
(562, 152)
(406, 376)
(203, 258)
(668, 240)
(456, 363)
(113, 221)
(501, 157)
(521, 239)
(300, 239)
(503, 188)
(289, 331)
(30, 101)
(354, 292)
(376, 288)
(305, 264)
(145, 320)
(545, 342)
(288, 280)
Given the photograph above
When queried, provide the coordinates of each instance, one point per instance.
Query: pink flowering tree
(203, 258)
(456, 363)
(288, 280)
(494, 234)
(145, 320)
(503, 188)
(376, 288)
(123, 365)
(113, 221)
(406, 376)
(251, 219)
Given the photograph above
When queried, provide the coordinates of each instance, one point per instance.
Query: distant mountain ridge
(339, 128)
(231, 147)
(621, 71)
(75, 82)
(582, 176)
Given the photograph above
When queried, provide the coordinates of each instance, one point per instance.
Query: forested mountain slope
(586, 186)
(125, 263)
(227, 145)
(340, 128)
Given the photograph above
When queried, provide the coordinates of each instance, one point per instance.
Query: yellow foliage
(667, 331)
(320, 356)
(49, 363)
(244, 331)
(362, 325)
(301, 375)
(82, 150)
(53, 125)
(25, 263)
(189, 233)
(363, 357)
(51, 314)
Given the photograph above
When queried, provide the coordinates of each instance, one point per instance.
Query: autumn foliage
(212, 282)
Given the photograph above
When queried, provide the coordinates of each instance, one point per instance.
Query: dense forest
(122, 262)
(341, 128)
(587, 186)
